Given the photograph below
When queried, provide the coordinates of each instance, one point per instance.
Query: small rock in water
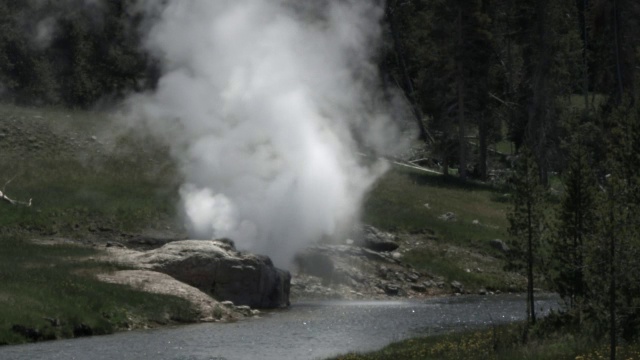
(457, 287)
(244, 310)
(228, 304)
(392, 289)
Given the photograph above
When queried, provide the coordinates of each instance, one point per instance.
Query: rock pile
(353, 272)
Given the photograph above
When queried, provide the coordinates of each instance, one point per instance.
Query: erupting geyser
(265, 104)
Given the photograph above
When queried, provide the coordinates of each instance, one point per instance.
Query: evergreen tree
(612, 261)
(526, 221)
(577, 219)
(551, 57)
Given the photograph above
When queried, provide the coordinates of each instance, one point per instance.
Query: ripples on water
(305, 331)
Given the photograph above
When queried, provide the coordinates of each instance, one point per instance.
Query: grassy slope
(81, 188)
(79, 184)
(399, 201)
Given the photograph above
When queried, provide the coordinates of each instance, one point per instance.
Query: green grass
(80, 186)
(398, 203)
(576, 101)
(505, 147)
(42, 283)
(76, 183)
(499, 343)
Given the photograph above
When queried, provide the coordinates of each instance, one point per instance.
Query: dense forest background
(474, 72)
(556, 81)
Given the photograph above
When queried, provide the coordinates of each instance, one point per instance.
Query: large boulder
(376, 240)
(216, 268)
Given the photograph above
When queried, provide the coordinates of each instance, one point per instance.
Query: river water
(312, 330)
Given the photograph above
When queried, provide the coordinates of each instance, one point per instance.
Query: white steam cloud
(265, 104)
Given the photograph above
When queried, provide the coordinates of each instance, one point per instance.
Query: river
(312, 330)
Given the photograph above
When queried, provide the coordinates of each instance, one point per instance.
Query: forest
(551, 85)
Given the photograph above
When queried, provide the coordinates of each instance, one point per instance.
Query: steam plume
(265, 104)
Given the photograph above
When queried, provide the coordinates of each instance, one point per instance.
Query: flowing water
(312, 330)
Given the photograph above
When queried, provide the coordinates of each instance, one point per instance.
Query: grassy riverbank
(499, 343)
(49, 292)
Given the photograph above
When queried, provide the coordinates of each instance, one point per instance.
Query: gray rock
(412, 277)
(499, 245)
(215, 268)
(377, 240)
(244, 310)
(419, 288)
(448, 217)
(457, 287)
(370, 254)
(392, 289)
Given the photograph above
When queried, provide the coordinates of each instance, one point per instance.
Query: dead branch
(11, 201)
(3, 196)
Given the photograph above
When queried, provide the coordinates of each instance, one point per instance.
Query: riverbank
(311, 330)
(506, 342)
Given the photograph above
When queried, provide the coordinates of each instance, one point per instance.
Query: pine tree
(526, 221)
(577, 220)
(612, 261)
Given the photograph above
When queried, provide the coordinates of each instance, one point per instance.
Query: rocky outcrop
(154, 282)
(376, 240)
(216, 268)
(352, 272)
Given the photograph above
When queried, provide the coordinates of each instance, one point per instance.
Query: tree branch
(3, 196)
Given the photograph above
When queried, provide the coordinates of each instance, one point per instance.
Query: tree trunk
(483, 148)
(616, 32)
(408, 84)
(462, 169)
(585, 63)
(612, 280)
(530, 298)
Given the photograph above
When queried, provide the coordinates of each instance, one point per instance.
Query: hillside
(94, 187)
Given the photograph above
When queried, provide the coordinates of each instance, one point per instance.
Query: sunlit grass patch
(50, 292)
